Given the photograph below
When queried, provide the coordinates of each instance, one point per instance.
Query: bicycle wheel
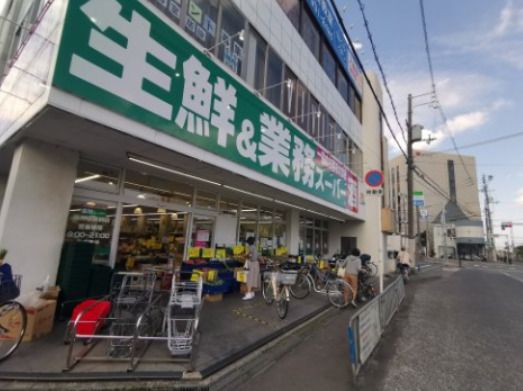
(282, 305)
(302, 288)
(336, 292)
(267, 291)
(13, 320)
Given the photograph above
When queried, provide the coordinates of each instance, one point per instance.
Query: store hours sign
(121, 56)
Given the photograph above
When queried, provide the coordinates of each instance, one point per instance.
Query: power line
(374, 94)
(489, 141)
(382, 72)
(426, 178)
(432, 79)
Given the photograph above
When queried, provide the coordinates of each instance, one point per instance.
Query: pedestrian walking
(404, 260)
(252, 264)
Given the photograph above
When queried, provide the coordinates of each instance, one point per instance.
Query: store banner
(119, 55)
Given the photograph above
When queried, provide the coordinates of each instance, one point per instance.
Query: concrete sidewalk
(458, 332)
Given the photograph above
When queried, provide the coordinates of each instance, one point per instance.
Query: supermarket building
(162, 130)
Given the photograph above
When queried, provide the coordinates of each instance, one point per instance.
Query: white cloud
(501, 40)
(519, 198)
(510, 20)
(464, 97)
(467, 121)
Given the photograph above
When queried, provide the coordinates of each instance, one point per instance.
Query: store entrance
(150, 236)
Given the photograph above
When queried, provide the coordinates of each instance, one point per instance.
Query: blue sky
(477, 52)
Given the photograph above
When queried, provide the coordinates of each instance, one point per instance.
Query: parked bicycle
(13, 317)
(277, 281)
(311, 278)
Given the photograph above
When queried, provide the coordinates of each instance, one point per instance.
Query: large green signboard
(118, 54)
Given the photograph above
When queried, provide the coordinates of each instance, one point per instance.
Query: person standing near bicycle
(404, 261)
(252, 264)
(8, 288)
(352, 266)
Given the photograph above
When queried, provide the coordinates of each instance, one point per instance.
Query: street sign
(424, 213)
(374, 178)
(418, 199)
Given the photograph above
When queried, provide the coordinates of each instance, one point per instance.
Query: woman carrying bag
(252, 264)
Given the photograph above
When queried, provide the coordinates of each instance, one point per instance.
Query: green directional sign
(119, 55)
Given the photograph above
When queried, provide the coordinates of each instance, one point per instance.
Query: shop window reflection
(314, 236)
(143, 185)
(97, 177)
(280, 229)
(248, 219)
(205, 200)
(171, 8)
(265, 231)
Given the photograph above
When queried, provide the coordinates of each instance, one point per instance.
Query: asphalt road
(459, 329)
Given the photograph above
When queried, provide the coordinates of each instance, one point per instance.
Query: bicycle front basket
(287, 277)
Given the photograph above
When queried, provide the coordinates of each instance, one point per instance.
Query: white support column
(35, 209)
(293, 231)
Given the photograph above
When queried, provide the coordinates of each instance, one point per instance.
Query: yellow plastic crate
(241, 275)
(196, 275)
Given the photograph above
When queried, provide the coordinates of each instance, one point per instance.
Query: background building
(456, 196)
(148, 132)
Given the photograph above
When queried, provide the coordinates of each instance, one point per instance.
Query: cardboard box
(214, 297)
(40, 320)
(52, 293)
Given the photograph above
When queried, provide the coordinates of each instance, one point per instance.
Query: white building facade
(151, 132)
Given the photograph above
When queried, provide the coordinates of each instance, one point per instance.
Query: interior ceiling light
(87, 178)
(145, 162)
(168, 169)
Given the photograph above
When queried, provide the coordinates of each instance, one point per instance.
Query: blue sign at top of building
(326, 16)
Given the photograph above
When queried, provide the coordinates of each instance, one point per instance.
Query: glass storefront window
(343, 85)
(280, 229)
(314, 118)
(150, 236)
(171, 8)
(310, 34)
(201, 21)
(274, 78)
(230, 49)
(151, 187)
(330, 134)
(97, 177)
(314, 236)
(265, 231)
(327, 62)
(302, 106)
(92, 221)
(256, 57)
(325, 242)
(202, 231)
(205, 200)
(292, 10)
(248, 222)
(228, 207)
(289, 93)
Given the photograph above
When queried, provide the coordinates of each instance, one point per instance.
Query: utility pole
(410, 184)
(444, 225)
(488, 220)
